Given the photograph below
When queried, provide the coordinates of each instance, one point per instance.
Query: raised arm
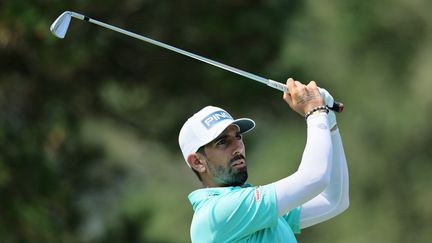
(320, 185)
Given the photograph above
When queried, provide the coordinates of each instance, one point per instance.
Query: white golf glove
(329, 101)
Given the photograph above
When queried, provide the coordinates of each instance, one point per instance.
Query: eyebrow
(224, 136)
(219, 138)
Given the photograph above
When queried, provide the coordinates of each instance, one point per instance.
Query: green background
(89, 124)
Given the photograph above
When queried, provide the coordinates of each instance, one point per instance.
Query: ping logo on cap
(215, 117)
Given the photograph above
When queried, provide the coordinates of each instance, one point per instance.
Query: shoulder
(234, 212)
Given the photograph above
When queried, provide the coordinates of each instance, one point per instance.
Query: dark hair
(201, 151)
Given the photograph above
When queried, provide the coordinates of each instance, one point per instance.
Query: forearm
(313, 174)
(340, 171)
(335, 198)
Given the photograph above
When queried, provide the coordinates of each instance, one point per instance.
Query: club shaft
(274, 84)
(172, 48)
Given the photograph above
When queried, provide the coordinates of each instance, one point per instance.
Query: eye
(221, 141)
(238, 136)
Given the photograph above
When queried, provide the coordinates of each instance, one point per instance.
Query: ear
(196, 162)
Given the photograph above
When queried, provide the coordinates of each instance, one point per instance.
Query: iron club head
(61, 24)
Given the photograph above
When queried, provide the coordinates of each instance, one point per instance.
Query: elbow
(323, 183)
(319, 182)
(319, 177)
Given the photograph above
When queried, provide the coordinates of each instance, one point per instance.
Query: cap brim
(245, 124)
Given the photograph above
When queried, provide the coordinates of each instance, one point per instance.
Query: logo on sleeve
(258, 194)
(215, 117)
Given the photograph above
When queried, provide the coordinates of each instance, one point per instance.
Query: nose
(238, 147)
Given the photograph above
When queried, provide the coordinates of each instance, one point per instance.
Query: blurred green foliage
(89, 124)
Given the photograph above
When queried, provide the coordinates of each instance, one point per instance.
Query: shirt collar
(203, 194)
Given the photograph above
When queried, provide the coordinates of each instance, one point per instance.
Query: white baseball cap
(206, 125)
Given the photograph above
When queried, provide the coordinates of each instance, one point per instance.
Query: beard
(228, 175)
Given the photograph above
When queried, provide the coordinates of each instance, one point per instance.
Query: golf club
(61, 24)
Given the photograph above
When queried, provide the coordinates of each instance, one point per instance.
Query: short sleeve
(293, 219)
(244, 211)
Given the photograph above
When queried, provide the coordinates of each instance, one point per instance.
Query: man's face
(226, 159)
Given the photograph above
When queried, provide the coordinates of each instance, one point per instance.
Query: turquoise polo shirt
(241, 214)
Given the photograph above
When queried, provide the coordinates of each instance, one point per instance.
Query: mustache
(237, 157)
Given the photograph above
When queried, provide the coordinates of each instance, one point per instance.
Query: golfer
(228, 209)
